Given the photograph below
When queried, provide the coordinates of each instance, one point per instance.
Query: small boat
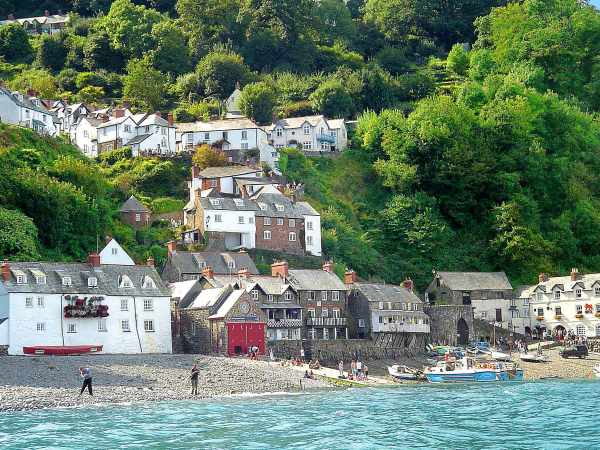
(466, 369)
(534, 357)
(61, 350)
(499, 356)
(597, 370)
(403, 372)
(551, 377)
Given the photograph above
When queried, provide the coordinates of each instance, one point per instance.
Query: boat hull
(62, 350)
(479, 376)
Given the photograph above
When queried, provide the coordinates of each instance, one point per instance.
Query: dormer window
(66, 281)
(279, 207)
(148, 283)
(556, 295)
(278, 132)
(21, 279)
(239, 202)
(577, 293)
(262, 206)
(40, 280)
(126, 282)
(215, 201)
(92, 282)
(231, 264)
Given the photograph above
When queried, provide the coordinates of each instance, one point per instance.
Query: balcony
(322, 137)
(326, 322)
(284, 323)
(400, 328)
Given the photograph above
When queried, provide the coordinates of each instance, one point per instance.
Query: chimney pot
(244, 272)
(195, 171)
(350, 277)
(237, 85)
(93, 259)
(171, 247)
(119, 113)
(107, 240)
(150, 262)
(60, 12)
(280, 269)
(275, 118)
(5, 270)
(11, 16)
(328, 266)
(408, 284)
(543, 278)
(1, 82)
(248, 162)
(104, 118)
(170, 118)
(126, 103)
(208, 273)
(575, 275)
(200, 118)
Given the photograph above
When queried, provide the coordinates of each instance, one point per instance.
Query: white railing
(400, 328)
(281, 323)
(326, 321)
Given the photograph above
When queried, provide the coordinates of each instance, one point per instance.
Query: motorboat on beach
(499, 356)
(597, 370)
(467, 369)
(534, 357)
(403, 372)
(61, 350)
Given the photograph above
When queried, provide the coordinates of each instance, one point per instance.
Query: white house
(338, 129)
(26, 111)
(113, 253)
(123, 308)
(46, 24)
(231, 104)
(4, 309)
(311, 132)
(85, 135)
(563, 304)
(115, 133)
(154, 134)
(224, 180)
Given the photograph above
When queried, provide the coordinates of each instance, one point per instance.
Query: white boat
(597, 370)
(534, 357)
(403, 372)
(467, 369)
(499, 356)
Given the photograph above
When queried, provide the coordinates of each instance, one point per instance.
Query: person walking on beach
(341, 368)
(358, 369)
(86, 374)
(302, 354)
(194, 378)
(271, 354)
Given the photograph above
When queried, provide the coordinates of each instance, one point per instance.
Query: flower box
(540, 318)
(558, 317)
(597, 314)
(578, 316)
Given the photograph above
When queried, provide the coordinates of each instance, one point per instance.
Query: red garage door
(244, 335)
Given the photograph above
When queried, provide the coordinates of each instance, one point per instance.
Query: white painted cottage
(113, 253)
(85, 136)
(123, 308)
(26, 111)
(310, 132)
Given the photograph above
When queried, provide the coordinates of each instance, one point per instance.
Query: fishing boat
(403, 372)
(499, 356)
(597, 370)
(62, 350)
(467, 369)
(534, 357)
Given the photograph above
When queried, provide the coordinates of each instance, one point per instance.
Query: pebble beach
(28, 383)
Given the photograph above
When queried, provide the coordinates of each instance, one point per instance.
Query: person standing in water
(86, 374)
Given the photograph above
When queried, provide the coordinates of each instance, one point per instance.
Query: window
(40, 302)
(539, 296)
(238, 201)
(288, 296)
(380, 306)
(85, 133)
(231, 264)
(306, 129)
(579, 309)
(279, 221)
(66, 281)
(293, 223)
(361, 323)
(278, 146)
(279, 132)
(597, 330)
(484, 295)
(324, 295)
(577, 293)
(244, 146)
(310, 295)
(267, 221)
(164, 131)
(21, 279)
(336, 313)
(526, 312)
(138, 217)
(580, 330)
(29, 302)
(598, 308)
(513, 302)
(206, 136)
(254, 295)
(292, 237)
(324, 312)
(556, 294)
(558, 311)
(213, 183)
(309, 225)
(190, 137)
(484, 315)
(125, 325)
(215, 201)
(280, 207)
(147, 129)
(515, 313)
(311, 312)
(307, 146)
(218, 218)
(333, 133)
(244, 135)
(148, 326)
(114, 251)
(41, 326)
(262, 206)
(540, 312)
(102, 325)
(335, 296)
(126, 282)
(597, 292)
(270, 297)
(148, 283)
(40, 280)
(92, 282)
(250, 219)
(71, 328)
(309, 240)
(526, 301)
(241, 220)
(124, 304)
(127, 128)
(267, 235)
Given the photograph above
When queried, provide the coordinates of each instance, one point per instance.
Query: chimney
(293, 197)
(119, 113)
(1, 82)
(107, 240)
(5, 270)
(157, 113)
(208, 273)
(350, 277)
(104, 119)
(328, 266)
(237, 85)
(95, 108)
(244, 272)
(195, 171)
(245, 193)
(241, 250)
(93, 259)
(60, 12)
(214, 118)
(275, 118)
(280, 269)
(281, 188)
(31, 92)
(126, 103)
(48, 103)
(47, 13)
(11, 16)
(171, 247)
(408, 284)
(150, 262)
(575, 275)
(543, 278)
(170, 118)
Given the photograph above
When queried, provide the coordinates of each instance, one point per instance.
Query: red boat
(62, 350)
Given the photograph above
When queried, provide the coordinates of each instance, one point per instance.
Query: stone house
(134, 214)
(387, 313)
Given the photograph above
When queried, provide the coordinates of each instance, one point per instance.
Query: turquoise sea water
(529, 415)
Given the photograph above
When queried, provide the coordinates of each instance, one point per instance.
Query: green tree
(98, 53)
(458, 60)
(481, 65)
(91, 94)
(18, 239)
(332, 100)
(206, 156)
(393, 60)
(220, 71)
(333, 22)
(290, 20)
(170, 54)
(52, 52)
(145, 85)
(257, 101)
(14, 42)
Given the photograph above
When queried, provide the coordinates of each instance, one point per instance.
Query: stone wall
(175, 215)
(216, 242)
(444, 323)
(194, 338)
(3, 350)
(485, 330)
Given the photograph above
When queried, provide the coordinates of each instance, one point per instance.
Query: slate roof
(228, 204)
(225, 306)
(138, 139)
(586, 282)
(270, 200)
(524, 291)
(26, 102)
(227, 171)
(210, 297)
(297, 122)
(113, 122)
(133, 205)
(93, 122)
(376, 292)
(185, 291)
(474, 281)
(315, 280)
(55, 18)
(335, 124)
(217, 125)
(270, 285)
(154, 119)
(189, 262)
(108, 276)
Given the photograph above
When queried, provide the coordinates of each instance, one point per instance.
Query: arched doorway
(463, 332)
(560, 332)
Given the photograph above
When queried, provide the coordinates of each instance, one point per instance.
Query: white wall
(297, 134)
(4, 312)
(163, 139)
(113, 253)
(315, 248)
(9, 111)
(568, 305)
(13, 114)
(23, 325)
(81, 140)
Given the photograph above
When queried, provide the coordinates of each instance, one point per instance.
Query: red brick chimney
(542, 278)
(150, 262)
(157, 113)
(170, 118)
(31, 92)
(171, 247)
(208, 273)
(350, 277)
(244, 272)
(195, 171)
(5, 270)
(48, 103)
(408, 284)
(119, 113)
(11, 16)
(60, 12)
(126, 103)
(107, 240)
(280, 269)
(93, 259)
(281, 188)
(575, 275)
(104, 119)
(200, 118)
(328, 266)
(95, 108)
(237, 85)
(47, 13)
